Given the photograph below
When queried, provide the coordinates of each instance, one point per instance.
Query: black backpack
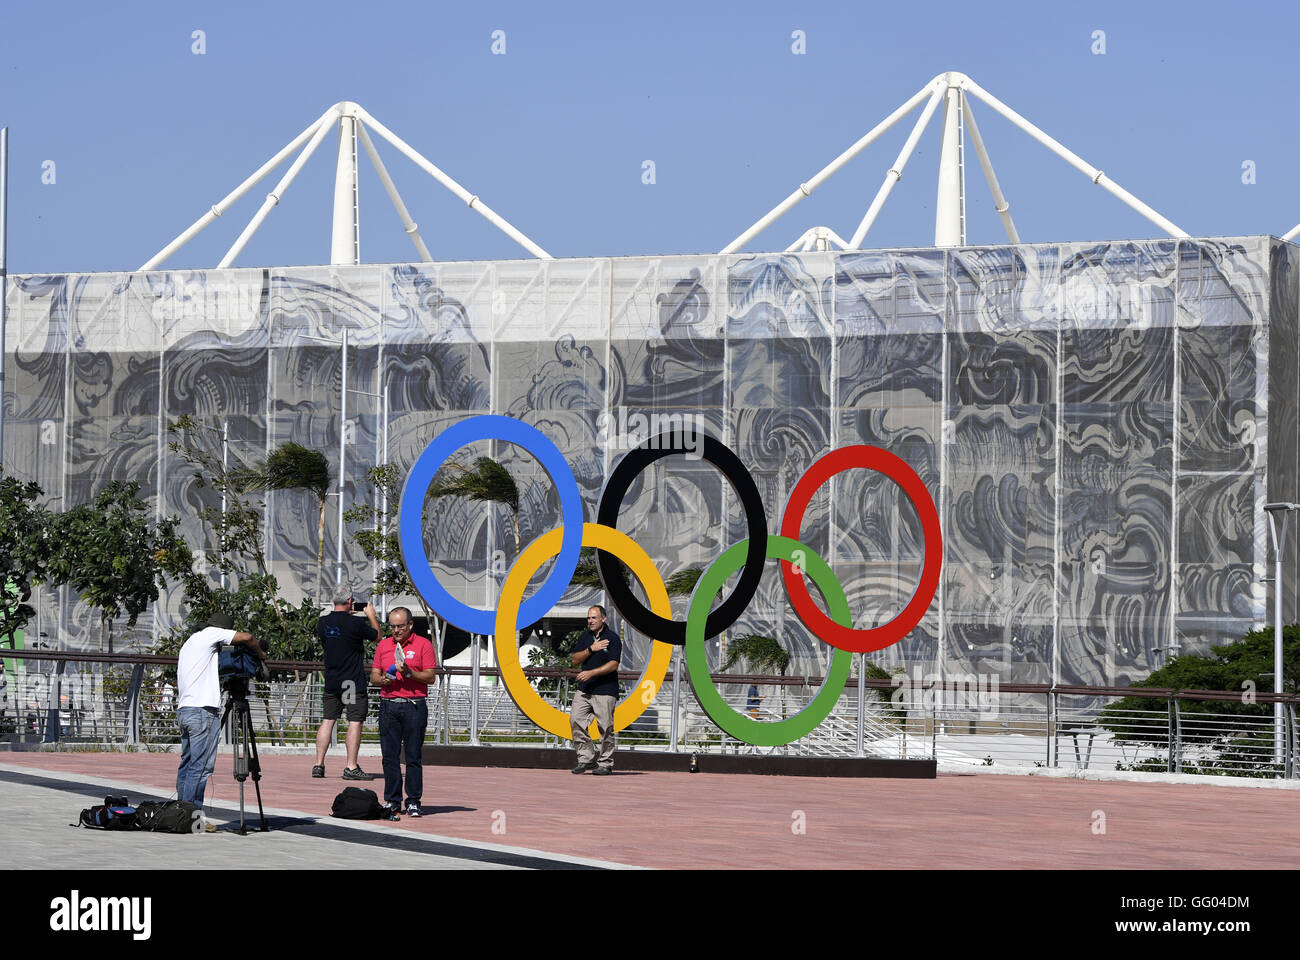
(355, 803)
(106, 817)
(169, 816)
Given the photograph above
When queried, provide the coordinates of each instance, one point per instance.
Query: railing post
(53, 721)
(862, 702)
(1053, 728)
(1172, 735)
(1290, 736)
(473, 693)
(443, 681)
(133, 703)
(677, 697)
(934, 725)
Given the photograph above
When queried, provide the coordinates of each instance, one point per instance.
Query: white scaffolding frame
(351, 121)
(952, 91)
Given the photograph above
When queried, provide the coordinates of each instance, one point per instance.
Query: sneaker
(209, 827)
(356, 773)
(412, 808)
(388, 813)
(584, 767)
(318, 771)
(603, 771)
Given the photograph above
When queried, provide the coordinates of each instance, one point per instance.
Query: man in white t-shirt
(198, 702)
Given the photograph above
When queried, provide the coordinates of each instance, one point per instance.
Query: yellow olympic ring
(512, 591)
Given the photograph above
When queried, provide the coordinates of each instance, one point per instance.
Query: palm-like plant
(763, 654)
(291, 466)
(486, 482)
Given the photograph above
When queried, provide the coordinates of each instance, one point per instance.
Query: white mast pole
(343, 437)
(345, 240)
(947, 208)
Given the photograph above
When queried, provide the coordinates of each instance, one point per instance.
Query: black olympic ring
(611, 568)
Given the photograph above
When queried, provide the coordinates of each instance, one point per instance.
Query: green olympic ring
(765, 733)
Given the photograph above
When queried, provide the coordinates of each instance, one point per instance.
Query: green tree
(236, 526)
(1239, 666)
(236, 531)
(559, 658)
(380, 542)
(1242, 668)
(24, 551)
(110, 554)
(291, 466)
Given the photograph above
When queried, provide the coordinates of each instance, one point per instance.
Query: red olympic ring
(882, 461)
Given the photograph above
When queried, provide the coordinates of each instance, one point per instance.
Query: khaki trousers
(602, 708)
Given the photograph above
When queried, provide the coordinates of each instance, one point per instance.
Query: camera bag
(105, 817)
(356, 803)
(168, 816)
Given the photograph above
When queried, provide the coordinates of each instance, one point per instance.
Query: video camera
(238, 665)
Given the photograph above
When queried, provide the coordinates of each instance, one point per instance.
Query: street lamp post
(343, 434)
(1279, 543)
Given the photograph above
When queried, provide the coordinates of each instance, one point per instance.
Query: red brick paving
(682, 820)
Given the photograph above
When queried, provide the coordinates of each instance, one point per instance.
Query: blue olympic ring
(410, 520)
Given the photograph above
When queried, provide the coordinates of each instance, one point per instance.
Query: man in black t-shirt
(344, 637)
(598, 650)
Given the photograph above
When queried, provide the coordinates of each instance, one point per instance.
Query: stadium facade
(1099, 424)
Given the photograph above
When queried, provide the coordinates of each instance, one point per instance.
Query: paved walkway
(538, 818)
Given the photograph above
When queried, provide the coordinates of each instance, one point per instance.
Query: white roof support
(409, 225)
(951, 199)
(806, 189)
(345, 242)
(895, 173)
(1000, 203)
(1093, 174)
(817, 238)
(219, 208)
(1290, 234)
(472, 201)
(274, 196)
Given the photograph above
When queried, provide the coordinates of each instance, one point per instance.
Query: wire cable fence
(119, 699)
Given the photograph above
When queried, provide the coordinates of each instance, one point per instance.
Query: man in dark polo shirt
(344, 637)
(598, 652)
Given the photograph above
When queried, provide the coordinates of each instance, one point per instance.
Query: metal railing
(126, 699)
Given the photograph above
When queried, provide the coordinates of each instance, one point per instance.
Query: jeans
(200, 731)
(401, 730)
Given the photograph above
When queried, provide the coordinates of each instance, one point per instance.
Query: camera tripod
(245, 748)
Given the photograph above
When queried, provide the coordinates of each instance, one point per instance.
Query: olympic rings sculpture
(616, 549)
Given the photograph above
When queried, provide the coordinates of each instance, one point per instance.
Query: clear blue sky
(145, 135)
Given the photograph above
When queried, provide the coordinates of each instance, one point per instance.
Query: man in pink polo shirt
(403, 668)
